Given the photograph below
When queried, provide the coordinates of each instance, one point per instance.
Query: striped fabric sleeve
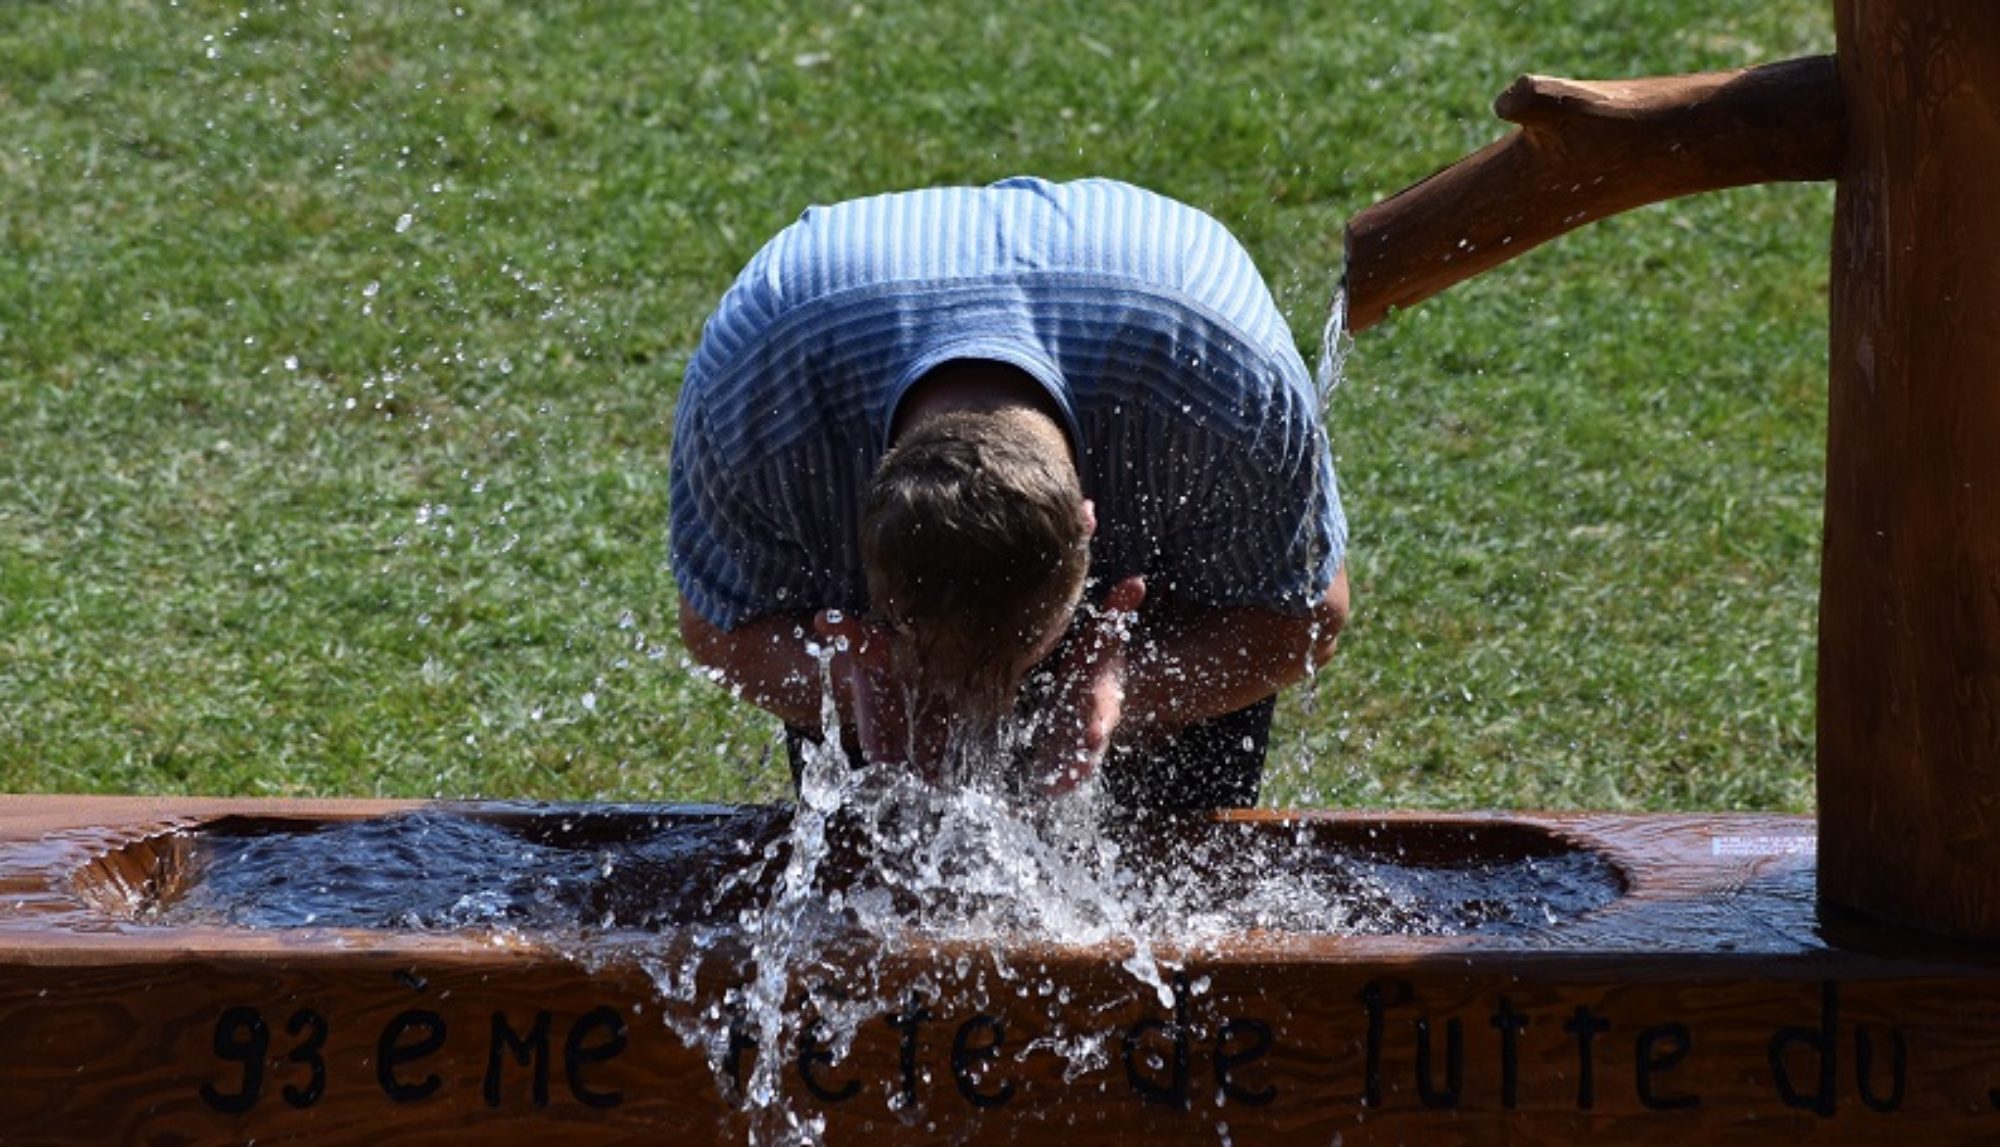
(730, 553)
(711, 533)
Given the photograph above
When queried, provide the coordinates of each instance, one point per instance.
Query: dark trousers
(1217, 763)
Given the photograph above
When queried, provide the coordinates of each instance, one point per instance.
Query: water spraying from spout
(1335, 343)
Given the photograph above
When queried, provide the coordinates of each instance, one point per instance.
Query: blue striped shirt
(1196, 421)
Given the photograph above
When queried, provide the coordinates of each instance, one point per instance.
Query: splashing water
(763, 928)
(777, 933)
(1334, 346)
(958, 862)
(1328, 373)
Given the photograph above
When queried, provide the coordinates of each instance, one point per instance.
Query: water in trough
(736, 911)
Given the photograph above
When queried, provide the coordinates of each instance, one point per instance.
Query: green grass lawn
(339, 343)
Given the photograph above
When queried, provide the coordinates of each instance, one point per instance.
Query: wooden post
(1909, 659)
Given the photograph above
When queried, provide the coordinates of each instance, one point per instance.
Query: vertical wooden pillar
(1909, 663)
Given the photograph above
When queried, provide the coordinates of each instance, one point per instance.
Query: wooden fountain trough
(1705, 1000)
(1735, 986)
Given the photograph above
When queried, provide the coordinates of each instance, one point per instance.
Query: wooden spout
(1587, 150)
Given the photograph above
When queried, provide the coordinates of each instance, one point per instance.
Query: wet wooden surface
(1708, 1004)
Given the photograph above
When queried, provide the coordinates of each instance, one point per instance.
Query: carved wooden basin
(1695, 996)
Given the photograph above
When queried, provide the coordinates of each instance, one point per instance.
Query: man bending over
(1032, 448)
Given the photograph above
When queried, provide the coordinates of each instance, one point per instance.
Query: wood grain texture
(1708, 1003)
(1587, 150)
(1909, 661)
(1462, 1050)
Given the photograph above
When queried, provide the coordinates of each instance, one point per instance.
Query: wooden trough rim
(1728, 886)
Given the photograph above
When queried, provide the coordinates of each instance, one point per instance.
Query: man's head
(975, 538)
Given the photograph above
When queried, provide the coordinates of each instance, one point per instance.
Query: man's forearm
(1189, 665)
(766, 661)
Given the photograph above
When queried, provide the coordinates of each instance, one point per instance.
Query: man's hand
(1089, 698)
(868, 693)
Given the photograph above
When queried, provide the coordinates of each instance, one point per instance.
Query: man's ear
(1087, 513)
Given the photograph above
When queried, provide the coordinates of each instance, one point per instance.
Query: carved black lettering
(530, 1051)
(1144, 1061)
(391, 1052)
(906, 1022)
(1238, 1043)
(969, 1060)
(1586, 1027)
(1864, 1070)
(1454, 1065)
(813, 1055)
(1651, 1058)
(308, 1054)
(1510, 1024)
(1824, 1043)
(581, 1051)
(1377, 997)
(241, 1037)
